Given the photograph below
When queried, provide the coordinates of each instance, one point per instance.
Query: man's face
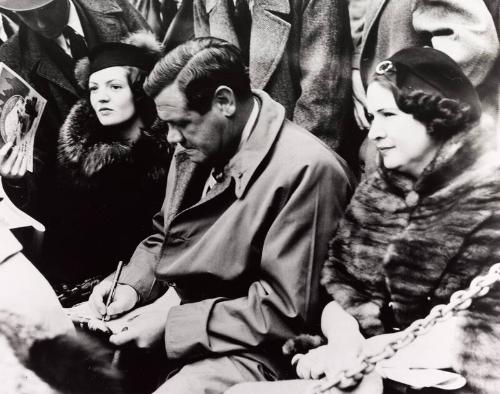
(49, 20)
(207, 138)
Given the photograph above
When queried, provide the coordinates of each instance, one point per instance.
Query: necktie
(77, 43)
(242, 21)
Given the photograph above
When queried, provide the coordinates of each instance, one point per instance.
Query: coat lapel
(268, 39)
(372, 14)
(39, 61)
(188, 181)
(269, 34)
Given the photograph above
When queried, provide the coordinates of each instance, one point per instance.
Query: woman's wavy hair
(145, 105)
(443, 117)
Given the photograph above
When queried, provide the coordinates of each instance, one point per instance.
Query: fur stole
(406, 246)
(34, 362)
(88, 157)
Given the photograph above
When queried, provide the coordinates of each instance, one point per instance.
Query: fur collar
(409, 243)
(85, 151)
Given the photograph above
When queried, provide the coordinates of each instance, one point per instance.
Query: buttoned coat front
(299, 53)
(245, 259)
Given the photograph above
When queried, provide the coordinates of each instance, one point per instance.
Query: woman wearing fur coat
(113, 159)
(417, 230)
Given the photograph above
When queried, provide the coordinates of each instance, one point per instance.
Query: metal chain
(460, 300)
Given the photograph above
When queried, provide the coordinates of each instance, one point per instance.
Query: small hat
(140, 49)
(110, 54)
(430, 70)
(23, 5)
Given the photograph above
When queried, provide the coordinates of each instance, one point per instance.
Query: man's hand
(359, 99)
(125, 298)
(145, 330)
(13, 163)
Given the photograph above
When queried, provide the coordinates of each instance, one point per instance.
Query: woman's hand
(431, 350)
(326, 360)
(13, 163)
(125, 298)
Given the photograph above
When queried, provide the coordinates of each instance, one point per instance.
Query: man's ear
(225, 101)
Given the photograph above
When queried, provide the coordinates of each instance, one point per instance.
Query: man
(53, 35)
(298, 51)
(251, 202)
(464, 30)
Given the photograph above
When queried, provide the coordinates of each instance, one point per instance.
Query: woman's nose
(174, 136)
(376, 130)
(102, 96)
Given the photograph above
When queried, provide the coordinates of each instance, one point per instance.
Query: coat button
(412, 199)
(171, 283)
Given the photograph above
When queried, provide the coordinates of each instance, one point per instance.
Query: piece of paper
(21, 108)
(83, 315)
(424, 377)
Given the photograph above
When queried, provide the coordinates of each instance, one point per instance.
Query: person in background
(112, 167)
(464, 30)
(417, 230)
(251, 200)
(299, 52)
(52, 36)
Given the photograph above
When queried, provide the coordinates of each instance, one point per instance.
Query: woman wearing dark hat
(417, 230)
(112, 164)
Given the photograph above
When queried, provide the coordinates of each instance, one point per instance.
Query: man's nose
(174, 136)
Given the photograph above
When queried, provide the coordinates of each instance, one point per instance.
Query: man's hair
(199, 67)
(443, 117)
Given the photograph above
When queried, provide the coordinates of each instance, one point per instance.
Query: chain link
(460, 300)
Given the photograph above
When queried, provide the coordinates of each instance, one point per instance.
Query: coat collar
(84, 150)
(242, 166)
(266, 50)
(453, 161)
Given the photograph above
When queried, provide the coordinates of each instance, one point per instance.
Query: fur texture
(406, 246)
(107, 193)
(85, 149)
(33, 362)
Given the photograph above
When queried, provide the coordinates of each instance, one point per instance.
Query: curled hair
(145, 107)
(199, 67)
(443, 117)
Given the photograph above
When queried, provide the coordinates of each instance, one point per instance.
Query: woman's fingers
(8, 162)
(19, 167)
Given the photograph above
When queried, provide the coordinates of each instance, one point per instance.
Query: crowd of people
(265, 169)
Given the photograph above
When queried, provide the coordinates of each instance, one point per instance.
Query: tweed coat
(406, 246)
(464, 30)
(299, 53)
(27, 55)
(107, 192)
(245, 259)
